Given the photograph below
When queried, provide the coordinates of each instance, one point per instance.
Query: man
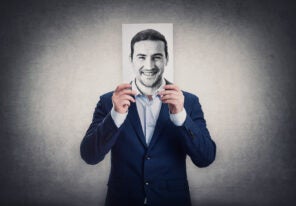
(150, 126)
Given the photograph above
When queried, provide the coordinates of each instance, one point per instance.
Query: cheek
(160, 65)
(136, 67)
(138, 64)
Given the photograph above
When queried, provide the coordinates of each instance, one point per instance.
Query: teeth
(149, 73)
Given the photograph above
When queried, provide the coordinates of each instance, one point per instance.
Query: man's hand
(173, 96)
(122, 98)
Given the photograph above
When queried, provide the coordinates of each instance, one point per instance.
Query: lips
(149, 73)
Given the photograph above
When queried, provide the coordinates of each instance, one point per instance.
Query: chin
(150, 83)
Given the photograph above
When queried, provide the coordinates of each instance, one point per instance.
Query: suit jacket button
(147, 157)
(146, 183)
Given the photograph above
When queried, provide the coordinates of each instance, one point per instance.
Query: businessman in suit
(150, 126)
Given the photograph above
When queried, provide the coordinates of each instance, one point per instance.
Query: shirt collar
(138, 93)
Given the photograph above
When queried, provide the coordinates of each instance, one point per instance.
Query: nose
(149, 64)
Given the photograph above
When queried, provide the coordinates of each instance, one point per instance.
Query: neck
(148, 90)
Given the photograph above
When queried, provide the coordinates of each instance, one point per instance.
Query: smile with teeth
(149, 73)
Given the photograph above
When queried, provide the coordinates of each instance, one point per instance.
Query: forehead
(149, 47)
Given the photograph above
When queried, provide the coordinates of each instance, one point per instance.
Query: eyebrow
(156, 54)
(141, 54)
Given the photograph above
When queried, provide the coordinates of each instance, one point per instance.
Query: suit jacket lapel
(134, 119)
(162, 120)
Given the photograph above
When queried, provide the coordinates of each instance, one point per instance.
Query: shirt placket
(149, 119)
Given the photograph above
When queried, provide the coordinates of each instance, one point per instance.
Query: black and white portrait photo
(129, 30)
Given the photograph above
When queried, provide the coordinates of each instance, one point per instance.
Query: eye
(141, 57)
(157, 58)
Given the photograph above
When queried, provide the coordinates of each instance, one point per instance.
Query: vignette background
(57, 57)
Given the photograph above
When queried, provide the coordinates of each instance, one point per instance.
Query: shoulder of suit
(107, 97)
(191, 100)
(189, 95)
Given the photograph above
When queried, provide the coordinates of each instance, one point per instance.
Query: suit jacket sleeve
(195, 136)
(101, 134)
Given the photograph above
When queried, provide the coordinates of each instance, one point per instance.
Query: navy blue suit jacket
(156, 171)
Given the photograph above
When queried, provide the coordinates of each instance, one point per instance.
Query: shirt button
(146, 183)
(147, 158)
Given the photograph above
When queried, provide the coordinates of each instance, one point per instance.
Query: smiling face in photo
(149, 61)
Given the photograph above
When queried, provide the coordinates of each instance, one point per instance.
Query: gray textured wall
(57, 57)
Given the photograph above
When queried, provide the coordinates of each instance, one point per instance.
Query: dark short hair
(149, 34)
